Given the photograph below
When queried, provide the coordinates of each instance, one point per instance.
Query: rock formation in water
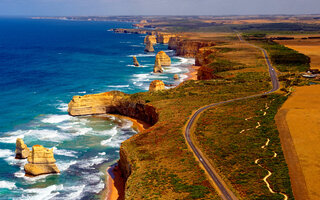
(113, 102)
(22, 151)
(149, 47)
(163, 38)
(150, 38)
(164, 58)
(157, 66)
(135, 62)
(130, 31)
(156, 85)
(41, 161)
(176, 77)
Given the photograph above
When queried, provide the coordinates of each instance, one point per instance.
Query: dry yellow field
(310, 48)
(302, 117)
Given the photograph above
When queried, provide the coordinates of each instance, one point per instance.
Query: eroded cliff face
(163, 38)
(113, 102)
(205, 56)
(124, 164)
(188, 48)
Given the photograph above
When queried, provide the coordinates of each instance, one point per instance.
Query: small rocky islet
(40, 159)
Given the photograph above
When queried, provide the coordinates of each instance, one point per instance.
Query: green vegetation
(284, 58)
(233, 144)
(221, 65)
(200, 26)
(287, 59)
(164, 168)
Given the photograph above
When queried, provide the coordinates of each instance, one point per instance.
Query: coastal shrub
(284, 58)
(233, 151)
(221, 65)
(196, 191)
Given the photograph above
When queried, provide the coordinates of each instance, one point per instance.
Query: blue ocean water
(43, 64)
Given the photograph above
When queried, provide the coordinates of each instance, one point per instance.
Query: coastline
(114, 188)
(115, 184)
(192, 74)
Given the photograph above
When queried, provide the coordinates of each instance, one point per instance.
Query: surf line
(265, 179)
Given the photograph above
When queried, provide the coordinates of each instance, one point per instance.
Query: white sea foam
(106, 142)
(32, 180)
(7, 185)
(118, 86)
(82, 92)
(183, 77)
(111, 117)
(172, 70)
(126, 124)
(185, 60)
(102, 153)
(76, 192)
(55, 119)
(63, 107)
(143, 55)
(43, 193)
(64, 152)
(4, 153)
(43, 135)
(139, 66)
(135, 45)
(63, 165)
(88, 163)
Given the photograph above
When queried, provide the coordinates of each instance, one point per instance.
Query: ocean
(43, 64)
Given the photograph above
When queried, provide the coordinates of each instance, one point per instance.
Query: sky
(156, 7)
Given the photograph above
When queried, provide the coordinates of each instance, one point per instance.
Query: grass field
(233, 144)
(163, 167)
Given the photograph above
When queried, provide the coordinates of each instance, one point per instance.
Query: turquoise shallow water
(43, 63)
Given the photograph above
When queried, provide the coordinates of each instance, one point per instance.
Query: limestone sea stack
(22, 151)
(135, 61)
(156, 85)
(176, 77)
(149, 47)
(150, 38)
(157, 66)
(164, 58)
(41, 161)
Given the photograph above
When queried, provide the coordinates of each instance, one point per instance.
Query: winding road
(222, 188)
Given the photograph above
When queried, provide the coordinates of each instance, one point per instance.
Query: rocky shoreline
(116, 102)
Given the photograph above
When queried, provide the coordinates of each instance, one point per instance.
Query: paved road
(225, 192)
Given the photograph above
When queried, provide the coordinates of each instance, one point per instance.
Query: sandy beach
(192, 74)
(115, 183)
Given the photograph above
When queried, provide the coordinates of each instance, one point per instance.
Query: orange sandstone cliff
(188, 48)
(113, 102)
